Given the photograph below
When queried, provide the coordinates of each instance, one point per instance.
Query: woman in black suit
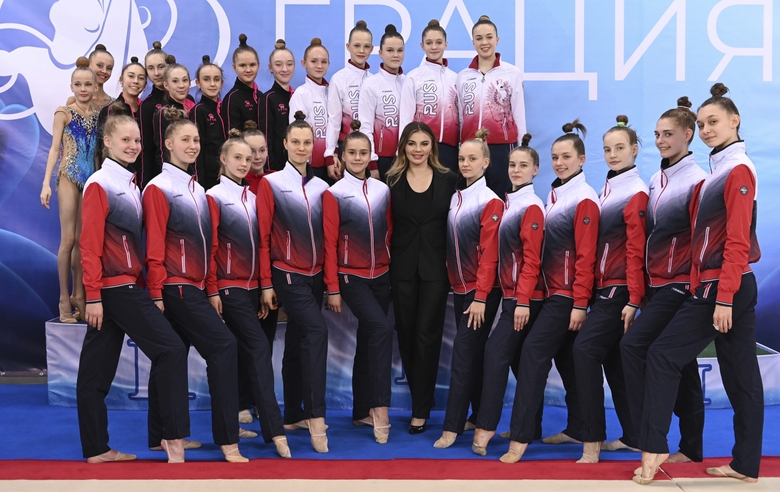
(421, 189)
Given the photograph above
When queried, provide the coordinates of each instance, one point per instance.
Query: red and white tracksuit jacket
(343, 100)
(289, 213)
(472, 239)
(357, 224)
(668, 251)
(178, 230)
(378, 111)
(312, 99)
(621, 246)
(429, 96)
(493, 100)
(111, 244)
(724, 228)
(570, 237)
(235, 237)
(520, 238)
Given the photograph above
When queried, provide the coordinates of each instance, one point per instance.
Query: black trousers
(448, 157)
(305, 362)
(650, 324)
(497, 173)
(129, 310)
(550, 339)
(369, 300)
(689, 332)
(245, 399)
(597, 345)
(198, 324)
(419, 308)
(468, 351)
(502, 350)
(239, 310)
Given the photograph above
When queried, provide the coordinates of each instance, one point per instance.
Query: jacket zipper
(370, 227)
(346, 249)
(183, 257)
(566, 269)
(311, 231)
(604, 259)
(288, 245)
(252, 242)
(671, 253)
(202, 236)
(455, 235)
(514, 270)
(704, 246)
(229, 258)
(127, 252)
(440, 102)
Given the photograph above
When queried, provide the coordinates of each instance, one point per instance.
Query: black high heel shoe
(416, 429)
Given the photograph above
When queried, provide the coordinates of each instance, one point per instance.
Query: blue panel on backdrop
(592, 60)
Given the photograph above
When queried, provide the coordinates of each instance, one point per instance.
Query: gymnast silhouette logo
(79, 25)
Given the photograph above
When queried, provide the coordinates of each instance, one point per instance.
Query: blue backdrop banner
(592, 60)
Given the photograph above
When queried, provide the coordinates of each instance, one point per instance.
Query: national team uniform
(112, 256)
(520, 238)
(724, 244)
(208, 118)
(495, 101)
(620, 281)
(312, 99)
(568, 261)
(178, 245)
(668, 259)
(233, 275)
(343, 102)
(472, 257)
(277, 115)
(291, 256)
(429, 96)
(241, 104)
(378, 115)
(357, 225)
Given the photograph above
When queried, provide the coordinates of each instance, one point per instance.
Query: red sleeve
(634, 215)
(94, 210)
(373, 166)
(329, 160)
(211, 278)
(265, 219)
(532, 237)
(586, 234)
(739, 216)
(488, 248)
(389, 218)
(330, 229)
(156, 213)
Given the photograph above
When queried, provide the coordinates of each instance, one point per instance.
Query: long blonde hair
(401, 163)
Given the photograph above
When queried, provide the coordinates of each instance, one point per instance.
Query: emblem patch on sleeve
(495, 217)
(534, 226)
(743, 190)
(586, 220)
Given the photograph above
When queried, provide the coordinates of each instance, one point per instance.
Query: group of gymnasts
(298, 198)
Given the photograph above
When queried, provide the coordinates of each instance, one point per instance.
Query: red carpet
(354, 470)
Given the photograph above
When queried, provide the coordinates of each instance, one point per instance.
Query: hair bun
(433, 23)
(574, 125)
(484, 18)
(316, 42)
(299, 116)
(100, 47)
(683, 102)
(525, 140)
(157, 45)
(133, 59)
(355, 125)
(250, 125)
(280, 44)
(481, 134)
(117, 108)
(622, 120)
(234, 133)
(82, 62)
(172, 114)
(206, 60)
(170, 59)
(391, 29)
(718, 90)
(361, 23)
(242, 39)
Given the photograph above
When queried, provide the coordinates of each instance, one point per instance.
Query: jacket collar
(435, 65)
(281, 90)
(115, 167)
(179, 175)
(475, 62)
(247, 90)
(618, 178)
(313, 82)
(234, 187)
(670, 169)
(389, 74)
(356, 68)
(474, 188)
(292, 172)
(559, 190)
(210, 103)
(518, 194)
(351, 178)
(724, 154)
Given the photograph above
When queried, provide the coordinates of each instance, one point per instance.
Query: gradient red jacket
(472, 239)
(235, 237)
(724, 228)
(570, 237)
(357, 224)
(110, 241)
(178, 230)
(520, 238)
(621, 246)
(289, 213)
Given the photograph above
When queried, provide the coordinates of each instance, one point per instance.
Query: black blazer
(421, 246)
